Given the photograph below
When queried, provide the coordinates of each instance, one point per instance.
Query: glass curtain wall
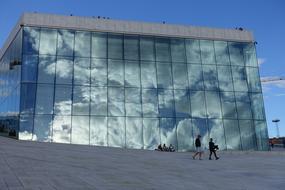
(10, 74)
(139, 91)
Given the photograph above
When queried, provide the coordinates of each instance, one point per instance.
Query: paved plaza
(46, 166)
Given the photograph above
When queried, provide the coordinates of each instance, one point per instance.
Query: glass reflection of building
(67, 83)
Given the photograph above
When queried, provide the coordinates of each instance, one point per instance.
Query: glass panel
(207, 52)
(134, 133)
(82, 71)
(261, 135)
(247, 135)
(132, 74)
(116, 99)
(180, 78)
(116, 132)
(98, 101)
(44, 99)
(193, 51)
(217, 132)
(98, 72)
(177, 50)
(222, 53)
(62, 100)
(184, 134)
(198, 106)
(31, 40)
(82, 44)
(26, 127)
(46, 69)
(115, 73)
(213, 104)
(228, 105)
(162, 49)
(151, 135)
(42, 128)
(131, 47)
(182, 103)
(48, 40)
(148, 75)
(168, 132)
(65, 42)
(236, 53)
(239, 78)
(243, 105)
(133, 101)
(210, 77)
(80, 130)
(149, 102)
(81, 100)
(99, 45)
(232, 134)
(61, 129)
(28, 98)
(164, 76)
(147, 48)
(257, 106)
(225, 78)
(250, 55)
(253, 79)
(166, 103)
(200, 128)
(195, 77)
(115, 46)
(64, 70)
(98, 131)
(29, 68)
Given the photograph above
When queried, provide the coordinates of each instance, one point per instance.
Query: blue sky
(264, 18)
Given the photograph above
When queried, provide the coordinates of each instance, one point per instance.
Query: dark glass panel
(99, 45)
(162, 49)
(131, 47)
(115, 46)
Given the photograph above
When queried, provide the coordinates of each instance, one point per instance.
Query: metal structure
(277, 127)
(271, 79)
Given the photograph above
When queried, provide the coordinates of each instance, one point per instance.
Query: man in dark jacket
(198, 148)
(213, 148)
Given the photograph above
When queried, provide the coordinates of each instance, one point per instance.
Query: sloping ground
(34, 165)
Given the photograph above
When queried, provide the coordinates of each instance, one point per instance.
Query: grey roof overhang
(129, 27)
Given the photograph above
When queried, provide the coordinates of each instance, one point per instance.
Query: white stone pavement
(47, 166)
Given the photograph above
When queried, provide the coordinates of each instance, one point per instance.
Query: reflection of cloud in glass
(134, 138)
(80, 130)
(116, 131)
(184, 134)
(64, 68)
(61, 129)
(151, 133)
(98, 131)
(168, 131)
(25, 135)
(63, 107)
(48, 41)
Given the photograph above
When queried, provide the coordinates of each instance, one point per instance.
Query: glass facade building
(128, 90)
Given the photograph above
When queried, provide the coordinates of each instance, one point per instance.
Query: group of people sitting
(165, 148)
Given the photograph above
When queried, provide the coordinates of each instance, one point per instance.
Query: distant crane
(271, 79)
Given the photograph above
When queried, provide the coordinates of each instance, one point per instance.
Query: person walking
(212, 148)
(198, 148)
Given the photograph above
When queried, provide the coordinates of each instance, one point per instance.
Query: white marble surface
(46, 166)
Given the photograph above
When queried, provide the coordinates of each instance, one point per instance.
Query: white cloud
(261, 61)
(280, 94)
